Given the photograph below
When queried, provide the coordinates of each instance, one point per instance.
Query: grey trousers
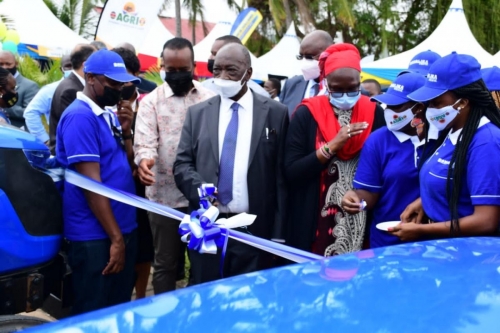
(168, 244)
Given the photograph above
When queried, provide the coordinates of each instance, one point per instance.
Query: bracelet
(127, 137)
(324, 153)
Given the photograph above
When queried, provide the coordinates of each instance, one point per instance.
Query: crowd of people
(321, 160)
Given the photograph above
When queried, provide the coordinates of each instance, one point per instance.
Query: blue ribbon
(207, 194)
(205, 232)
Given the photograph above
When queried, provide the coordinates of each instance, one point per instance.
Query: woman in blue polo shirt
(387, 174)
(460, 182)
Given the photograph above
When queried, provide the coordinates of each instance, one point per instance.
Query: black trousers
(240, 259)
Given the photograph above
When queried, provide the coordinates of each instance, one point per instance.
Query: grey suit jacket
(26, 90)
(293, 92)
(197, 160)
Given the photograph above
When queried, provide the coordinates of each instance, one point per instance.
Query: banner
(246, 23)
(127, 21)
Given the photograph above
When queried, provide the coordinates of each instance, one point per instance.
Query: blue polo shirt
(481, 179)
(388, 166)
(85, 134)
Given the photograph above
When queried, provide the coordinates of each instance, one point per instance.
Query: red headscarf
(335, 57)
(339, 56)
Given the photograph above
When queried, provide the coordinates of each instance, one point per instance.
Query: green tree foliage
(375, 26)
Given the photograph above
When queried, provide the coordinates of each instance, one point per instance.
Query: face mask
(128, 92)
(210, 65)
(229, 88)
(310, 69)
(180, 82)
(162, 74)
(345, 102)
(110, 97)
(10, 98)
(441, 118)
(12, 70)
(396, 121)
(67, 73)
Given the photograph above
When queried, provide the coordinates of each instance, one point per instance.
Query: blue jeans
(91, 289)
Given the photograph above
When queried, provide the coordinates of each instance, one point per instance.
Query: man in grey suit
(236, 141)
(26, 89)
(307, 85)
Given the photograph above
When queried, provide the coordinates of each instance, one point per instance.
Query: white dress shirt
(239, 204)
(82, 80)
(310, 84)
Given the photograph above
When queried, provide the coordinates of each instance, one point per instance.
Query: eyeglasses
(307, 57)
(336, 94)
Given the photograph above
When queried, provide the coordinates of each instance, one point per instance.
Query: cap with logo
(109, 64)
(491, 77)
(450, 72)
(398, 90)
(422, 62)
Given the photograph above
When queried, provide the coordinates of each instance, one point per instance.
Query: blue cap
(491, 77)
(450, 72)
(109, 64)
(422, 62)
(398, 90)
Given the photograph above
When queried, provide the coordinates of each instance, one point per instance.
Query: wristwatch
(128, 137)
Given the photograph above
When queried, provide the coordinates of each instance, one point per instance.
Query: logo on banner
(128, 15)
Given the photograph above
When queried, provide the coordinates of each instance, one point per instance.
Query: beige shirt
(158, 129)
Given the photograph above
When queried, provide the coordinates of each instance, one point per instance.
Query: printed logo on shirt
(397, 87)
(421, 62)
(440, 118)
(432, 77)
(445, 162)
(398, 119)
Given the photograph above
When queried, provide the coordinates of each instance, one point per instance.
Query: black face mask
(210, 65)
(179, 82)
(110, 97)
(128, 92)
(12, 70)
(10, 99)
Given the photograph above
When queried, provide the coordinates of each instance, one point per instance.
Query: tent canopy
(39, 30)
(202, 50)
(281, 60)
(452, 34)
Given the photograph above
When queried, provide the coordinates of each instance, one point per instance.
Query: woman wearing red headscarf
(324, 140)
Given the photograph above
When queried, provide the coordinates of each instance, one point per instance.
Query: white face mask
(229, 88)
(396, 121)
(310, 69)
(441, 118)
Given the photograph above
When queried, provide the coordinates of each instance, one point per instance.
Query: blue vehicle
(31, 267)
(435, 286)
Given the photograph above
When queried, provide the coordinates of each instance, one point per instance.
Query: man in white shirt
(40, 105)
(236, 141)
(218, 44)
(307, 85)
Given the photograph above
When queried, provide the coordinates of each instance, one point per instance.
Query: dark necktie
(314, 90)
(226, 165)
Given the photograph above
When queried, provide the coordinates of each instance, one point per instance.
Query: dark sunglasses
(340, 94)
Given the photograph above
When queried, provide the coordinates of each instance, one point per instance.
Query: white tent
(282, 60)
(452, 34)
(202, 50)
(155, 38)
(36, 25)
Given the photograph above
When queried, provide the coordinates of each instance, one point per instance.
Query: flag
(246, 23)
(127, 21)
